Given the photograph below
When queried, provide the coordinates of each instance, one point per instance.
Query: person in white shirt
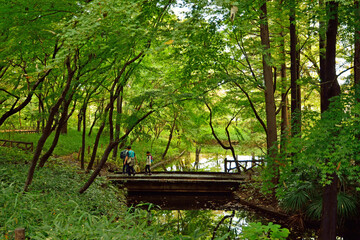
(149, 160)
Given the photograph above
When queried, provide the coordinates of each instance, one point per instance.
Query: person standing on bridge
(149, 160)
(130, 161)
(123, 154)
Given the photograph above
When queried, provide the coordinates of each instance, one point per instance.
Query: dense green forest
(277, 78)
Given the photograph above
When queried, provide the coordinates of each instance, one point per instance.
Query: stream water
(210, 163)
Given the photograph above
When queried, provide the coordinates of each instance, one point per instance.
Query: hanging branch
(252, 107)
(231, 148)
(14, 110)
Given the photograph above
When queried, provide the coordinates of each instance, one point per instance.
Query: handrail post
(20, 234)
(225, 165)
(253, 159)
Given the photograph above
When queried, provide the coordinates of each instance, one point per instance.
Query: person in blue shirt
(130, 160)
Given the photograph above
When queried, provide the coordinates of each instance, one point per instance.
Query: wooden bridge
(181, 190)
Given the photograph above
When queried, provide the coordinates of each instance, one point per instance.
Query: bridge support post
(252, 160)
(20, 234)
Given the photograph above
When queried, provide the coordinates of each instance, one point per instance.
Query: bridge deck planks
(170, 182)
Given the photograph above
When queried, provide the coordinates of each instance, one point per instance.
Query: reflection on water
(209, 163)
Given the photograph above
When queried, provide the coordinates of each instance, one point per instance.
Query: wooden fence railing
(18, 131)
(27, 146)
(243, 164)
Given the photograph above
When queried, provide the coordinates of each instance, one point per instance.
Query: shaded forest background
(278, 78)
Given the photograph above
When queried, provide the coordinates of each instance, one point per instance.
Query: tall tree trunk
(48, 128)
(357, 52)
(117, 123)
(111, 122)
(322, 44)
(294, 71)
(83, 138)
(284, 137)
(329, 85)
(269, 95)
(330, 88)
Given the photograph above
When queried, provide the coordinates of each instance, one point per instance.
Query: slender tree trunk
(95, 147)
(197, 157)
(269, 95)
(170, 138)
(40, 109)
(80, 115)
(62, 121)
(83, 139)
(64, 128)
(294, 70)
(99, 111)
(330, 88)
(284, 99)
(48, 128)
(357, 52)
(117, 124)
(111, 122)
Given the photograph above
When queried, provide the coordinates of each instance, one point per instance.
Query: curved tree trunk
(48, 128)
(63, 120)
(95, 147)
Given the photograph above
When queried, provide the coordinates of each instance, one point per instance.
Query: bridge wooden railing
(27, 146)
(253, 163)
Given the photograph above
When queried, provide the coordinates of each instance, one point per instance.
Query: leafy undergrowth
(53, 208)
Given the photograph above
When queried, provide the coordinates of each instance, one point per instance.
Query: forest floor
(268, 208)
